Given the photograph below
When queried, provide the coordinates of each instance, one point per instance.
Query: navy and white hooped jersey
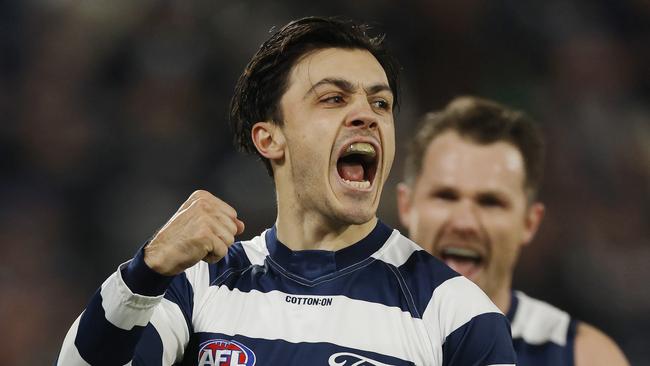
(541, 333)
(380, 301)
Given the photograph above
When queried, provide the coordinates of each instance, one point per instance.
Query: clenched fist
(202, 229)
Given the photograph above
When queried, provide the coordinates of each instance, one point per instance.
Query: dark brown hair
(264, 81)
(482, 121)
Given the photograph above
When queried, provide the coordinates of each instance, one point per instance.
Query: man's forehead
(356, 66)
(452, 158)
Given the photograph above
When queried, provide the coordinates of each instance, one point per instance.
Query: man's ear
(404, 204)
(533, 219)
(269, 140)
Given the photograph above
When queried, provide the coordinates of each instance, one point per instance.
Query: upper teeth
(363, 148)
(461, 252)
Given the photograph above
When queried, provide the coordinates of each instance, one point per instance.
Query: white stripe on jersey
(538, 322)
(123, 308)
(396, 254)
(256, 249)
(170, 325)
(69, 354)
(198, 277)
(383, 329)
(460, 297)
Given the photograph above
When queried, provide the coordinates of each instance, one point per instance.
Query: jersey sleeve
(137, 317)
(471, 328)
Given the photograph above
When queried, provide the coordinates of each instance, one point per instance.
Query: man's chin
(353, 207)
(356, 215)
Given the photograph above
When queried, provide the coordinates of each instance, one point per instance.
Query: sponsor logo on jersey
(315, 301)
(221, 352)
(342, 359)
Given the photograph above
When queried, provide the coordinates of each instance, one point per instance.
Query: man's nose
(464, 219)
(361, 115)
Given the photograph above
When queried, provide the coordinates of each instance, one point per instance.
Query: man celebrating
(469, 197)
(328, 284)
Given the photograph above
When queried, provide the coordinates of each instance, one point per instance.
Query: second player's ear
(533, 219)
(269, 140)
(404, 204)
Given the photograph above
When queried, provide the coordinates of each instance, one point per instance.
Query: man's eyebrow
(342, 84)
(492, 193)
(348, 87)
(377, 88)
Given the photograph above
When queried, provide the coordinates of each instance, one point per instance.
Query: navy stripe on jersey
(422, 277)
(266, 278)
(149, 349)
(570, 342)
(101, 343)
(143, 280)
(482, 339)
(545, 335)
(514, 305)
(315, 265)
(543, 354)
(542, 333)
(263, 302)
(233, 263)
(181, 293)
(272, 352)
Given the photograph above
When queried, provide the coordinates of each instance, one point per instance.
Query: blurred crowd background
(113, 112)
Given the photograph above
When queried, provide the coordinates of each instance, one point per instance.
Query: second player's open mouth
(462, 260)
(357, 165)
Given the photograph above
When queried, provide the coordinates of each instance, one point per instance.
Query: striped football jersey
(380, 301)
(541, 333)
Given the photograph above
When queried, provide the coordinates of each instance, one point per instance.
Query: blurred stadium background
(113, 112)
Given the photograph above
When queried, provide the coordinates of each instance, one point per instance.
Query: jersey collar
(311, 264)
(514, 302)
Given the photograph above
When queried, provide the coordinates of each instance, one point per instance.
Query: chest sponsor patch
(221, 352)
(350, 359)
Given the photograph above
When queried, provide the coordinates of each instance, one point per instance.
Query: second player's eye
(445, 195)
(491, 201)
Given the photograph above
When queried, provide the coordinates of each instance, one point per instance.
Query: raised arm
(143, 311)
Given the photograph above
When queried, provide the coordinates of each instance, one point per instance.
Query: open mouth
(357, 165)
(462, 260)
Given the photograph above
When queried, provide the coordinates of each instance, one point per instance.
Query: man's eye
(445, 195)
(490, 201)
(334, 99)
(381, 104)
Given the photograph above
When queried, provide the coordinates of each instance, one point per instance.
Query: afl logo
(220, 352)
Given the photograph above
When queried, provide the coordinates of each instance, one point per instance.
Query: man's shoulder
(253, 250)
(430, 281)
(411, 260)
(241, 256)
(538, 322)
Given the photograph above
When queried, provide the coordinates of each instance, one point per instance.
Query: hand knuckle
(203, 234)
(202, 204)
(197, 194)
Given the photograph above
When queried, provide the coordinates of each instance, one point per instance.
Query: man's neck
(312, 231)
(503, 299)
